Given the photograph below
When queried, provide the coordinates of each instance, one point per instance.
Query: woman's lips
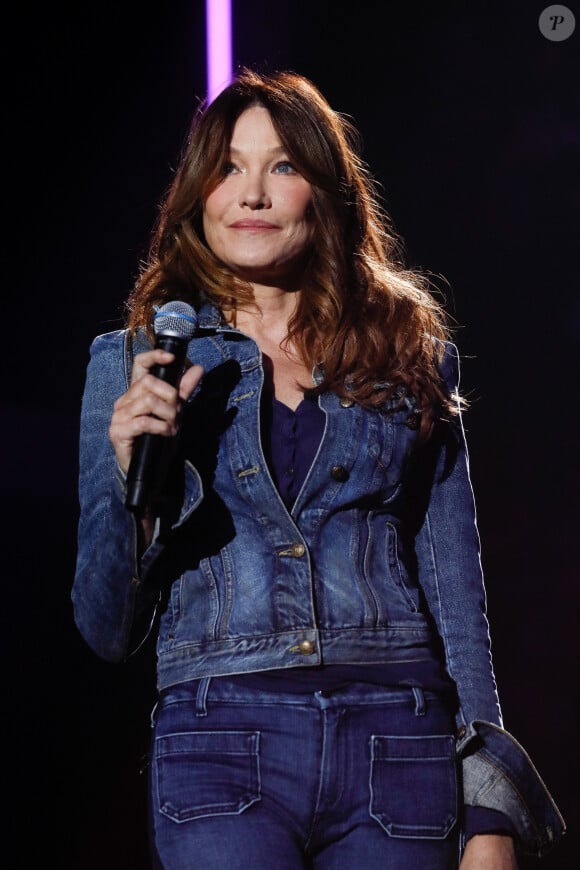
(252, 225)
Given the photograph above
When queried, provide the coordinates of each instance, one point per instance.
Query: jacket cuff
(499, 775)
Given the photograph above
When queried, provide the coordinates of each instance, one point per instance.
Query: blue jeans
(359, 777)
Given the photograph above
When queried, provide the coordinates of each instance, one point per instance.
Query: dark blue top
(291, 439)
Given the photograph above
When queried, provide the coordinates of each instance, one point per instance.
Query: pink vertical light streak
(218, 17)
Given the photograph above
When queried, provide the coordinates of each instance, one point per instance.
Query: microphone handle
(145, 474)
(171, 372)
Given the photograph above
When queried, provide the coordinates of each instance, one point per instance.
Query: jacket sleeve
(496, 771)
(113, 595)
(450, 569)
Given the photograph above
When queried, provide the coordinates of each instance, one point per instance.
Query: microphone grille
(175, 318)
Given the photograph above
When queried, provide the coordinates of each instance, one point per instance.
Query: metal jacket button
(346, 403)
(339, 473)
(295, 550)
(306, 647)
(413, 421)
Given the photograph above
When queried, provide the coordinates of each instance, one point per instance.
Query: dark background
(471, 122)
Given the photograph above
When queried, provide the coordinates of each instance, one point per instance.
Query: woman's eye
(228, 169)
(285, 168)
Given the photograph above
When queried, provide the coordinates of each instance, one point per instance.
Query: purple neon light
(218, 17)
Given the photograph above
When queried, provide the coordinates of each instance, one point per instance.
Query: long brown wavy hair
(369, 323)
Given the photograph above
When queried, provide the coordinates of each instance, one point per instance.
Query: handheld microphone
(174, 325)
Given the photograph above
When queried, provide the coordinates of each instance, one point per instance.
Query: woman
(326, 690)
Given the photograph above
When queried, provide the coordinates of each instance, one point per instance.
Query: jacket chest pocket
(392, 435)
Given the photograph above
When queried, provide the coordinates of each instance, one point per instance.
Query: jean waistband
(233, 691)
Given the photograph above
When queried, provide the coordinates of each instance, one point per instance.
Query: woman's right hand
(149, 405)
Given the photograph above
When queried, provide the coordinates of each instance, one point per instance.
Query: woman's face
(257, 219)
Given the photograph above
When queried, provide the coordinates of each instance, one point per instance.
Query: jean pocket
(207, 773)
(414, 785)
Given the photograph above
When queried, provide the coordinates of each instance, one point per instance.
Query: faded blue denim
(330, 780)
(378, 560)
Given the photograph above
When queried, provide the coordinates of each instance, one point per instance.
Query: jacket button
(298, 549)
(413, 421)
(461, 732)
(339, 473)
(306, 647)
(346, 403)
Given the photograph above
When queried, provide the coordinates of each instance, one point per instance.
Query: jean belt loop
(419, 701)
(201, 698)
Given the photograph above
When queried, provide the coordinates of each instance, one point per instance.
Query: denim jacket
(377, 561)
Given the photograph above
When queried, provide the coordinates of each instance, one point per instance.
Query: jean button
(306, 647)
(339, 473)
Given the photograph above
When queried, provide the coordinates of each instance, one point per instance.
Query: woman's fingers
(144, 362)
(150, 405)
(189, 381)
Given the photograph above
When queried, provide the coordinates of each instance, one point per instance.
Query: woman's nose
(253, 193)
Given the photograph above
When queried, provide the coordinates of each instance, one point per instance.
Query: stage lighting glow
(218, 16)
